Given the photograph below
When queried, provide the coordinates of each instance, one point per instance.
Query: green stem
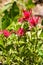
(36, 39)
(0, 23)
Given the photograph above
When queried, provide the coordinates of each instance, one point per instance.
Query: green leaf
(5, 7)
(41, 52)
(41, 35)
(0, 23)
(26, 26)
(29, 4)
(10, 15)
(5, 24)
(39, 32)
(14, 10)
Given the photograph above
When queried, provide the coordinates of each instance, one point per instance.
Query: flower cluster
(27, 16)
(6, 33)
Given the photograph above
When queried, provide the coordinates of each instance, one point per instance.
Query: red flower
(27, 13)
(6, 33)
(33, 21)
(20, 32)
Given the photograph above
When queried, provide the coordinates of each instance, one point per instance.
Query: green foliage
(5, 7)
(29, 4)
(9, 15)
(23, 50)
(26, 26)
(15, 50)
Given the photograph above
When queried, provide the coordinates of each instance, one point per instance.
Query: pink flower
(20, 32)
(6, 33)
(33, 21)
(27, 13)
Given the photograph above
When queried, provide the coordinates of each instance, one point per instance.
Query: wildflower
(27, 13)
(6, 33)
(20, 32)
(25, 17)
(33, 21)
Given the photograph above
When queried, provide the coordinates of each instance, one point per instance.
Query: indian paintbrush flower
(6, 33)
(20, 32)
